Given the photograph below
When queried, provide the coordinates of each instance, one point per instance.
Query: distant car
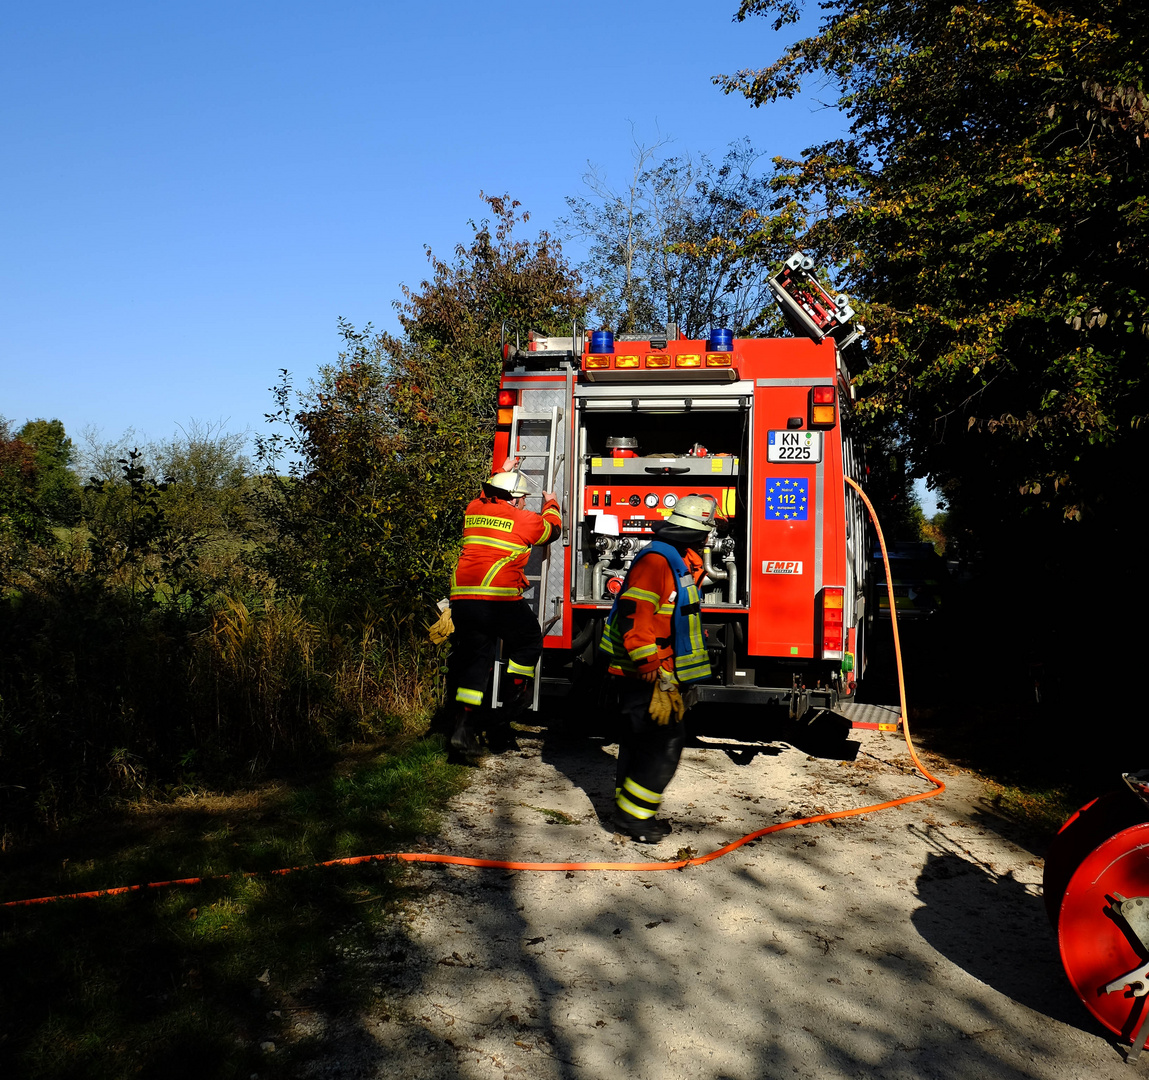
(919, 578)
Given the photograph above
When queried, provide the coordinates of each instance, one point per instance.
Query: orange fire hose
(646, 867)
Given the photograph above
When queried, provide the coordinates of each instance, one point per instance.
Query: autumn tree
(990, 207)
(443, 369)
(683, 241)
(392, 440)
(129, 540)
(329, 509)
(57, 486)
(22, 526)
(206, 473)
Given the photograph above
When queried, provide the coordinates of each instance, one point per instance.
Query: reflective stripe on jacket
(497, 542)
(656, 615)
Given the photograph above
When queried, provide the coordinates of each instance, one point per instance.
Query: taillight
(823, 407)
(833, 622)
(507, 400)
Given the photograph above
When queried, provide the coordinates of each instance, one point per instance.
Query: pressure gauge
(634, 500)
(651, 500)
(669, 500)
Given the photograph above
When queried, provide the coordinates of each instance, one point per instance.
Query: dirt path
(906, 943)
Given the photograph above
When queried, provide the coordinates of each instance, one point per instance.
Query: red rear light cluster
(833, 622)
(507, 401)
(823, 407)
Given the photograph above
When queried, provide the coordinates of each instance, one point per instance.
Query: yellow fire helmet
(694, 512)
(508, 485)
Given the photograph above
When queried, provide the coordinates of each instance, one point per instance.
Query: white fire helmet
(509, 485)
(694, 512)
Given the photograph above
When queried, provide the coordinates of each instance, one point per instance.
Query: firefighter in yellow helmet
(653, 637)
(487, 602)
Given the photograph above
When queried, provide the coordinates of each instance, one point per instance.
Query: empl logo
(781, 566)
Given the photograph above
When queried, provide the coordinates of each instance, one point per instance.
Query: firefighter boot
(501, 736)
(520, 696)
(463, 738)
(642, 830)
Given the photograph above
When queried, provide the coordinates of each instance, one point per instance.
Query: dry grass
(168, 982)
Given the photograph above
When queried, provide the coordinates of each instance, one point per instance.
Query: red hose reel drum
(1097, 896)
(1108, 964)
(1093, 824)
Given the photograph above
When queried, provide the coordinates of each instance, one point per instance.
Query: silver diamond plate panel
(869, 714)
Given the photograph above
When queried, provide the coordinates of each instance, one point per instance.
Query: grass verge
(1040, 757)
(197, 980)
(1025, 776)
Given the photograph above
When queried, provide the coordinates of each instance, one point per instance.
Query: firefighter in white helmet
(653, 637)
(487, 601)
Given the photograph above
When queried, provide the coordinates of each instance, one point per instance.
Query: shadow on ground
(995, 929)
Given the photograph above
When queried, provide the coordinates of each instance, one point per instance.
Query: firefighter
(487, 602)
(653, 637)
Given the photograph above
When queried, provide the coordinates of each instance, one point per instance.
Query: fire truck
(622, 427)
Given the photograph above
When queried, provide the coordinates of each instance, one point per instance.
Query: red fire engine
(622, 427)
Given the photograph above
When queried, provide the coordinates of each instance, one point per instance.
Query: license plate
(794, 446)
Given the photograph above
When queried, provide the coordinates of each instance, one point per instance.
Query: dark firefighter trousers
(648, 753)
(478, 626)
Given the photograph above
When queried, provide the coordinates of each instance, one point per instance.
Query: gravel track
(901, 944)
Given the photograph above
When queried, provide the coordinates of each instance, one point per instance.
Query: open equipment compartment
(636, 457)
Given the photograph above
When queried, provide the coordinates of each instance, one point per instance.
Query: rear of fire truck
(622, 428)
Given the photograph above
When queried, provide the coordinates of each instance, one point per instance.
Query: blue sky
(192, 194)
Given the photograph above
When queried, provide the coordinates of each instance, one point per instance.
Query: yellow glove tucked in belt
(666, 699)
(442, 629)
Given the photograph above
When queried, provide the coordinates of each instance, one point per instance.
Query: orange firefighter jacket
(497, 541)
(646, 611)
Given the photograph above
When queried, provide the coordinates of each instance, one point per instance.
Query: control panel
(639, 491)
